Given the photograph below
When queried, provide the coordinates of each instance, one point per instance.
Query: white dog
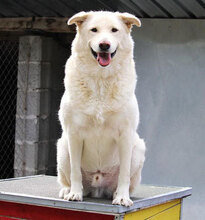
(100, 153)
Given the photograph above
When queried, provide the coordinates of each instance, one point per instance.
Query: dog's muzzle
(103, 58)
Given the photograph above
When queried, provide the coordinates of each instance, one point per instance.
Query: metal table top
(43, 191)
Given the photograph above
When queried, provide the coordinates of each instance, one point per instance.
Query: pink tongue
(104, 58)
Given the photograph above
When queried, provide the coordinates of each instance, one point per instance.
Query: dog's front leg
(75, 150)
(121, 195)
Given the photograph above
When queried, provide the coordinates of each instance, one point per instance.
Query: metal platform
(43, 191)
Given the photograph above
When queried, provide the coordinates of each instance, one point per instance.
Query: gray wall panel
(170, 61)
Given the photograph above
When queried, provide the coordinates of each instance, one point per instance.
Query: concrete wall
(170, 61)
(40, 86)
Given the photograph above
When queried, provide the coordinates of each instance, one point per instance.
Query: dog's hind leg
(135, 182)
(63, 167)
(138, 158)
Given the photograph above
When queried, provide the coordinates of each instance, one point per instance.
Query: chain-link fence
(31, 76)
(8, 96)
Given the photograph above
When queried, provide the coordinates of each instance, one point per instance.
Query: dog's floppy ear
(130, 20)
(78, 18)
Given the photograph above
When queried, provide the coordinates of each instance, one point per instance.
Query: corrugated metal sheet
(141, 8)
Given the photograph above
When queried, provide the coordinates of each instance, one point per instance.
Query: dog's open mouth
(103, 58)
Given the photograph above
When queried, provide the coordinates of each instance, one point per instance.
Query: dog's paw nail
(64, 192)
(74, 196)
(120, 200)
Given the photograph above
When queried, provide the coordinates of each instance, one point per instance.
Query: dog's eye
(94, 30)
(114, 29)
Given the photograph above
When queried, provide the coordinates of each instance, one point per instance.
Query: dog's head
(104, 34)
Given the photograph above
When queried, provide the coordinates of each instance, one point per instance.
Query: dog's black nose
(104, 46)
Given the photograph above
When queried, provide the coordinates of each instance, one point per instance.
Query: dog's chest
(99, 129)
(97, 101)
(94, 120)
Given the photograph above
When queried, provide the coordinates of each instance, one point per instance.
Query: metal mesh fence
(8, 97)
(31, 76)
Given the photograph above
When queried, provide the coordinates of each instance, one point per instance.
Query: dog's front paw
(64, 192)
(74, 196)
(122, 200)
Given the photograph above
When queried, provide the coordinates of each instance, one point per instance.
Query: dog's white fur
(100, 153)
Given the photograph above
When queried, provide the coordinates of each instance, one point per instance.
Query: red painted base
(10, 210)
